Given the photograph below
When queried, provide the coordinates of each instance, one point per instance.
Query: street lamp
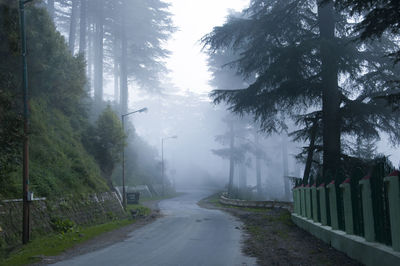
(162, 161)
(123, 154)
(25, 170)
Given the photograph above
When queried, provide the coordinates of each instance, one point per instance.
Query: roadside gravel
(274, 239)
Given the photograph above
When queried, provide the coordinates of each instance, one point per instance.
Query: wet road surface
(186, 235)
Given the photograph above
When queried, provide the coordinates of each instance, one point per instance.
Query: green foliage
(105, 140)
(142, 165)
(59, 163)
(138, 209)
(62, 226)
(55, 244)
(304, 59)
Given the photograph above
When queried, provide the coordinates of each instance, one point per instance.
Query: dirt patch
(272, 237)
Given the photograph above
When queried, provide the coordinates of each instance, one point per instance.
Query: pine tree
(237, 146)
(301, 67)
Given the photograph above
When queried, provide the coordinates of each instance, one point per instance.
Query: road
(186, 235)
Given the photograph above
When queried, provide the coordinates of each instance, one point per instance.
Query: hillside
(59, 162)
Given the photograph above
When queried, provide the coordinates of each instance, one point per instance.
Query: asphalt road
(186, 235)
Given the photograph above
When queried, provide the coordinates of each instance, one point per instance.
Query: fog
(179, 104)
(184, 109)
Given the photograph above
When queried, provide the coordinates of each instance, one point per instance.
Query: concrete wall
(256, 204)
(368, 253)
(364, 249)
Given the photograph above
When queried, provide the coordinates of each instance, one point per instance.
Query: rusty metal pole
(25, 170)
(123, 168)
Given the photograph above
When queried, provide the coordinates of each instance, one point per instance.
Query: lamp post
(123, 154)
(162, 161)
(25, 170)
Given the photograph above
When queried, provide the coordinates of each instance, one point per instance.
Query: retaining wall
(92, 209)
(255, 204)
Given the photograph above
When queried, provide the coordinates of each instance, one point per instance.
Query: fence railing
(368, 207)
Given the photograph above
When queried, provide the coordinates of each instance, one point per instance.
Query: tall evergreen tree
(301, 67)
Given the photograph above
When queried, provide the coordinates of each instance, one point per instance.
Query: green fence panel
(314, 199)
(322, 204)
(303, 202)
(333, 206)
(308, 202)
(369, 228)
(348, 207)
(394, 208)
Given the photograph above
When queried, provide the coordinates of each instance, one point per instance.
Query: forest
(327, 67)
(319, 75)
(202, 132)
(76, 135)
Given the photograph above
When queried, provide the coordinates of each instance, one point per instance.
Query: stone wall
(92, 209)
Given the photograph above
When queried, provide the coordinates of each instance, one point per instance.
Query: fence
(368, 207)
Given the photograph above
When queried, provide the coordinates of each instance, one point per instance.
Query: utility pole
(25, 170)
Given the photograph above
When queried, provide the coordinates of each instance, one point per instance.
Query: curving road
(186, 235)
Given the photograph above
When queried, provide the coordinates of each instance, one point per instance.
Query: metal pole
(123, 168)
(162, 167)
(25, 169)
(123, 155)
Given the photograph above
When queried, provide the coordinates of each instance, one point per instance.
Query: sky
(194, 19)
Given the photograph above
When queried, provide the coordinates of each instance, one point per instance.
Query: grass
(283, 218)
(140, 209)
(55, 244)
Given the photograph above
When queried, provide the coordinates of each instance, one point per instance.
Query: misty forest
(280, 113)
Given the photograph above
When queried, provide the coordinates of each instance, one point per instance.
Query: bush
(62, 226)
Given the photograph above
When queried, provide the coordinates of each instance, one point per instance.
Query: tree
(141, 39)
(377, 18)
(238, 147)
(83, 26)
(105, 141)
(59, 164)
(72, 27)
(300, 67)
(132, 50)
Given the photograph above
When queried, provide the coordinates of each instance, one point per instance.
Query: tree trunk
(50, 8)
(123, 69)
(285, 168)
(310, 152)
(330, 92)
(116, 69)
(242, 180)
(98, 56)
(231, 160)
(90, 56)
(258, 166)
(72, 26)
(82, 27)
